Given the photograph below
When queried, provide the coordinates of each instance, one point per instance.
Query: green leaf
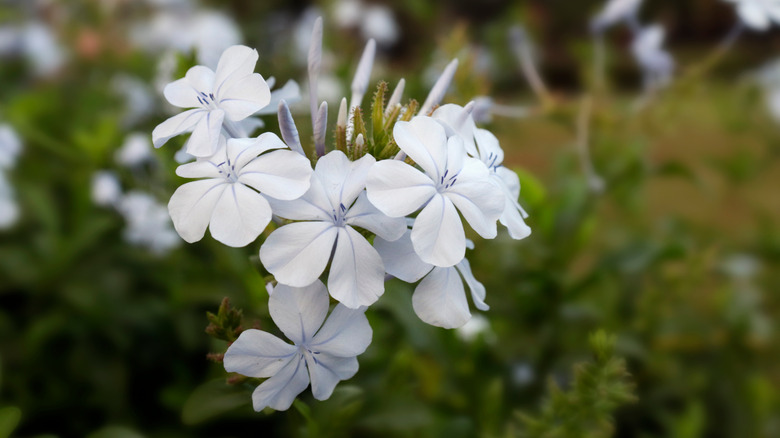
(211, 400)
(9, 420)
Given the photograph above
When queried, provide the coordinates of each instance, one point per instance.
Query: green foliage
(226, 324)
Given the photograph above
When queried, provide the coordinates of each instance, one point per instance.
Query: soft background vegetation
(678, 258)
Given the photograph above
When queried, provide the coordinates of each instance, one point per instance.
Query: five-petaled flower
(225, 201)
(450, 180)
(234, 92)
(296, 254)
(327, 351)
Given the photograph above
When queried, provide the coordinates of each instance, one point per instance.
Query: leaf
(211, 400)
(9, 420)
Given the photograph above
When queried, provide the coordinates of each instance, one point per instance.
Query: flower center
(491, 162)
(338, 216)
(207, 100)
(228, 171)
(446, 182)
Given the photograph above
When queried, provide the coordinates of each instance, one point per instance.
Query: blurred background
(655, 217)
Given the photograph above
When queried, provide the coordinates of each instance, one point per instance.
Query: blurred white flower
(440, 298)
(139, 100)
(374, 21)
(148, 224)
(105, 189)
(449, 182)
(136, 150)
(234, 92)
(41, 47)
(9, 210)
(656, 63)
(615, 11)
(233, 199)
(758, 14)
(10, 146)
(296, 254)
(477, 326)
(326, 348)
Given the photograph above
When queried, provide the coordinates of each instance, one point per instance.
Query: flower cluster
(385, 201)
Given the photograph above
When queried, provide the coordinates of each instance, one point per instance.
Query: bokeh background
(102, 329)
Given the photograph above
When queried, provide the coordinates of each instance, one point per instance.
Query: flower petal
(440, 300)
(363, 214)
(398, 189)
(244, 150)
(296, 254)
(290, 93)
(477, 289)
(243, 97)
(185, 92)
(299, 311)
(345, 333)
(424, 141)
(240, 215)
(178, 124)
(235, 63)
(281, 174)
(437, 234)
(450, 116)
(326, 371)
(192, 205)
(479, 200)
(490, 151)
(753, 15)
(258, 354)
(199, 169)
(400, 259)
(204, 141)
(357, 275)
(342, 179)
(280, 391)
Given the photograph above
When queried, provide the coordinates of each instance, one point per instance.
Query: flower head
(758, 14)
(234, 92)
(327, 349)
(240, 178)
(657, 64)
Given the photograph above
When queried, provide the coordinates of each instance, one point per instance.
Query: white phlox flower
(482, 144)
(105, 190)
(232, 200)
(323, 353)
(758, 14)
(9, 210)
(234, 92)
(440, 298)
(135, 151)
(449, 182)
(297, 253)
(615, 11)
(10, 146)
(656, 63)
(148, 224)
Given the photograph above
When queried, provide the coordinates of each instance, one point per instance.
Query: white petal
(440, 300)
(281, 174)
(398, 189)
(511, 181)
(192, 205)
(345, 333)
(357, 275)
(424, 141)
(477, 289)
(184, 92)
(490, 151)
(289, 93)
(240, 215)
(178, 124)
(326, 371)
(437, 234)
(299, 311)
(243, 97)
(400, 259)
(243, 150)
(296, 254)
(280, 391)
(363, 214)
(204, 141)
(753, 15)
(235, 63)
(451, 118)
(342, 179)
(258, 354)
(199, 169)
(479, 200)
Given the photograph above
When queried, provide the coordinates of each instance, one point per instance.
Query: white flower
(327, 351)
(105, 188)
(148, 224)
(296, 254)
(41, 47)
(657, 64)
(10, 146)
(482, 144)
(615, 11)
(477, 326)
(758, 14)
(440, 298)
(450, 180)
(233, 92)
(9, 210)
(225, 201)
(138, 98)
(136, 150)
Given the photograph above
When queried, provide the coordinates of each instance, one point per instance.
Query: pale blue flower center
(207, 100)
(446, 181)
(338, 216)
(492, 162)
(228, 170)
